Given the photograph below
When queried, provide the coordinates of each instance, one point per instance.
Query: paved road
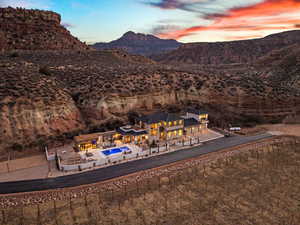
(125, 168)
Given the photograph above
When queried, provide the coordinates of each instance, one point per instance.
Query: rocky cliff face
(141, 44)
(34, 30)
(33, 107)
(3, 44)
(245, 51)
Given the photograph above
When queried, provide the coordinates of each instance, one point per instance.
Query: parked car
(234, 128)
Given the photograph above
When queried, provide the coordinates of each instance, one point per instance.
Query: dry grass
(283, 129)
(255, 187)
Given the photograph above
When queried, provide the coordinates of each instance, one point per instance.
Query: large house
(153, 128)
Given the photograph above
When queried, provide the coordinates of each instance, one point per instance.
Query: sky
(184, 20)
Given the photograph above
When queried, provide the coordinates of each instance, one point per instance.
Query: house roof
(94, 136)
(197, 111)
(190, 122)
(158, 117)
(131, 132)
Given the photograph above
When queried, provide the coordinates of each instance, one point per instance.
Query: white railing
(174, 127)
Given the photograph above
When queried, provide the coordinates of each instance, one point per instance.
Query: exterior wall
(203, 117)
(87, 145)
(197, 117)
(174, 134)
(49, 156)
(155, 133)
(192, 130)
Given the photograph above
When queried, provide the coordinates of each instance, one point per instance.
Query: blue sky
(184, 20)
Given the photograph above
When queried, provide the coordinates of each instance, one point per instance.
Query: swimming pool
(115, 150)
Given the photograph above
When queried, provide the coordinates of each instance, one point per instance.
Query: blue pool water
(114, 151)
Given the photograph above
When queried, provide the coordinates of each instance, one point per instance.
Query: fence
(49, 156)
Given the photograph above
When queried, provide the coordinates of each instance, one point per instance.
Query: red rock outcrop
(35, 30)
(34, 107)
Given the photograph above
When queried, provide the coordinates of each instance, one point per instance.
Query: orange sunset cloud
(267, 15)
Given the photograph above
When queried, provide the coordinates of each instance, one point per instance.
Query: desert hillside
(215, 53)
(50, 94)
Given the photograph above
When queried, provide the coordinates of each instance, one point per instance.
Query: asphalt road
(102, 174)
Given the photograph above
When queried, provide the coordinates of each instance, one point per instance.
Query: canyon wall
(35, 123)
(34, 30)
(239, 106)
(34, 109)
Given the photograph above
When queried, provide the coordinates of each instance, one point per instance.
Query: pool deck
(99, 155)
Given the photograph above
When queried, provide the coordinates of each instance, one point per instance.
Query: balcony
(174, 127)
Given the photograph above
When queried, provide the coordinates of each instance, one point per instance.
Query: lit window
(175, 123)
(165, 123)
(180, 122)
(169, 134)
(170, 123)
(153, 126)
(180, 132)
(153, 132)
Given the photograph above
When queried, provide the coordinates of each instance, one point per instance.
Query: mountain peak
(130, 35)
(141, 44)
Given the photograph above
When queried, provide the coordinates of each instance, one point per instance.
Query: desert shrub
(153, 144)
(45, 70)
(17, 147)
(250, 121)
(14, 55)
(132, 117)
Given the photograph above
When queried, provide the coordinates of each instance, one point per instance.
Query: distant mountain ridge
(243, 51)
(141, 44)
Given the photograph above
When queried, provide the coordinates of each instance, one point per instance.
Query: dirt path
(276, 129)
